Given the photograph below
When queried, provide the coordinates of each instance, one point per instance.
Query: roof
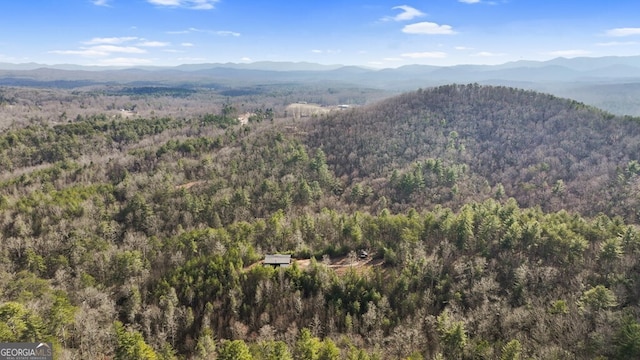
(277, 259)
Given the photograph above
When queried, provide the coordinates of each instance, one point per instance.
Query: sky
(372, 33)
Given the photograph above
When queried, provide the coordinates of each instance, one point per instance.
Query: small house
(277, 260)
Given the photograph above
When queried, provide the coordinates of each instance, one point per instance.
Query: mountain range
(559, 69)
(604, 82)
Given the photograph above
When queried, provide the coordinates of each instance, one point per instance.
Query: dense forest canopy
(541, 150)
(499, 224)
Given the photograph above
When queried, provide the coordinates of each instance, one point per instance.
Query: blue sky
(375, 33)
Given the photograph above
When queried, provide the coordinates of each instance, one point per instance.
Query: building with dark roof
(277, 260)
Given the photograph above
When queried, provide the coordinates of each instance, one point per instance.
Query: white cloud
(108, 49)
(153, 44)
(620, 32)
(100, 51)
(408, 13)
(392, 59)
(203, 5)
(83, 53)
(213, 32)
(618, 43)
(425, 55)
(245, 59)
(187, 4)
(569, 53)
(328, 51)
(227, 33)
(165, 2)
(187, 44)
(110, 40)
(428, 28)
(470, 1)
(101, 2)
(487, 54)
(105, 47)
(187, 31)
(462, 48)
(122, 61)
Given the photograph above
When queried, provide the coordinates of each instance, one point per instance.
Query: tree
(329, 350)
(357, 354)
(234, 350)
(206, 347)
(453, 335)
(511, 350)
(228, 111)
(611, 250)
(307, 346)
(60, 316)
(18, 324)
(273, 350)
(627, 339)
(138, 214)
(598, 298)
(130, 345)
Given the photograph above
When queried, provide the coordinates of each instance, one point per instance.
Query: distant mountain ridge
(576, 66)
(577, 78)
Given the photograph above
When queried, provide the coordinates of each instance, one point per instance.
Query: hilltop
(486, 142)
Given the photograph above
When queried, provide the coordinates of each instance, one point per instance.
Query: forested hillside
(453, 144)
(500, 224)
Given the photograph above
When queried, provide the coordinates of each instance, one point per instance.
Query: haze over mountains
(560, 69)
(610, 83)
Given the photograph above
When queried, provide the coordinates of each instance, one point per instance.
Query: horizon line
(334, 66)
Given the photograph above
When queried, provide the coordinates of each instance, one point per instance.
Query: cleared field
(341, 265)
(301, 110)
